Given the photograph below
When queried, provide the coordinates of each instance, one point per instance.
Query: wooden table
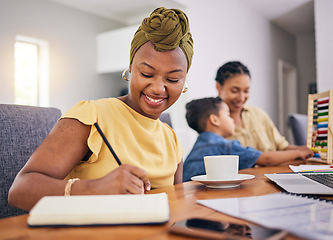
(182, 199)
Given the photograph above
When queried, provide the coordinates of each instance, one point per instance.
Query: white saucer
(227, 183)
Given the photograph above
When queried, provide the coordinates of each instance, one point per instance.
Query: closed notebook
(100, 210)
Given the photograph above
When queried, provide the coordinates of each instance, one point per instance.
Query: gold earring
(124, 75)
(185, 88)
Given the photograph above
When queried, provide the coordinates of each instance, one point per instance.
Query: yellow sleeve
(280, 141)
(86, 113)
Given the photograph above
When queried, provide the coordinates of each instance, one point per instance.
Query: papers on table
(309, 167)
(307, 218)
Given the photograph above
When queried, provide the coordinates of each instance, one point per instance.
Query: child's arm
(295, 147)
(278, 157)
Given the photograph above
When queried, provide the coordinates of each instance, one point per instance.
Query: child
(210, 118)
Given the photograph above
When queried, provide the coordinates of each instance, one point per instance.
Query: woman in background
(254, 127)
(160, 57)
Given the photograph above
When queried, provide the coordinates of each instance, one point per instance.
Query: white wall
(72, 40)
(324, 44)
(306, 63)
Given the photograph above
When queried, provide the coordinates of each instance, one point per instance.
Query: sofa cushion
(22, 130)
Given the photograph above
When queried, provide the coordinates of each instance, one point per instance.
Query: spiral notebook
(100, 210)
(305, 217)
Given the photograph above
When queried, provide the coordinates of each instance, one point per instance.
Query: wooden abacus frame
(311, 127)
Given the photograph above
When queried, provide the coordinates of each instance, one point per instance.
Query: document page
(307, 218)
(301, 167)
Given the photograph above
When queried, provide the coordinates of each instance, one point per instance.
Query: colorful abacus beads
(320, 123)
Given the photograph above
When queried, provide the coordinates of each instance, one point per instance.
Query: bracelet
(68, 186)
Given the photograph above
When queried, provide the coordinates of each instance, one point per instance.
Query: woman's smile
(154, 100)
(238, 104)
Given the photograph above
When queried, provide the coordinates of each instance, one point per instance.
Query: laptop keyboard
(325, 179)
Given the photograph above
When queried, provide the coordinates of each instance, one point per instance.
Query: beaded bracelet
(68, 186)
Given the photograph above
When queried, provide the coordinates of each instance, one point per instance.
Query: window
(31, 72)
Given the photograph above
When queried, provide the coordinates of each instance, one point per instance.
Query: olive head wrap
(167, 29)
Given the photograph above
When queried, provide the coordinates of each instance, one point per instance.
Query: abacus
(320, 120)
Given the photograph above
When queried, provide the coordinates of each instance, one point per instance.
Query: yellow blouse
(136, 139)
(259, 131)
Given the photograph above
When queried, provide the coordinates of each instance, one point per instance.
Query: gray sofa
(298, 124)
(22, 130)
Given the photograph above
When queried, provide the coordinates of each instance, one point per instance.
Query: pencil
(107, 143)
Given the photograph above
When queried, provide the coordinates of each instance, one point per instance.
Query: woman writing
(160, 57)
(254, 127)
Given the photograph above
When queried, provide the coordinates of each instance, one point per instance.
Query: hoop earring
(185, 88)
(124, 75)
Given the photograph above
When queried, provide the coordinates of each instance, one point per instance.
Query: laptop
(304, 183)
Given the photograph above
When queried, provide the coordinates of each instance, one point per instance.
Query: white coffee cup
(221, 167)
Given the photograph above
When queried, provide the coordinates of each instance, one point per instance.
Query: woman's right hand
(305, 153)
(122, 180)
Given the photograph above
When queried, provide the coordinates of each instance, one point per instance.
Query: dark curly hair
(229, 70)
(199, 110)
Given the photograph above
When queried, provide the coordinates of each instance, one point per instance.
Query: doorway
(287, 74)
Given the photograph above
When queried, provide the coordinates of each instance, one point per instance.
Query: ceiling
(127, 12)
(294, 16)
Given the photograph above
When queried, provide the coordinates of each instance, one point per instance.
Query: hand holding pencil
(125, 179)
(131, 179)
